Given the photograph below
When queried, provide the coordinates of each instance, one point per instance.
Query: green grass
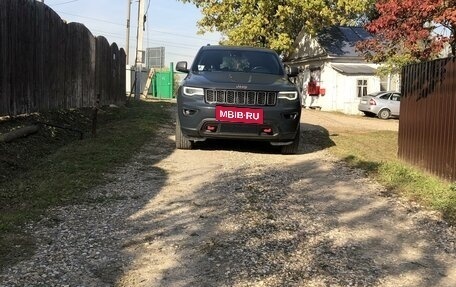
(64, 175)
(376, 153)
(55, 172)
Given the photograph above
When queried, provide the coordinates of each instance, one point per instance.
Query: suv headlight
(192, 91)
(291, 95)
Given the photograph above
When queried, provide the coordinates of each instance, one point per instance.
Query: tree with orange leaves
(407, 31)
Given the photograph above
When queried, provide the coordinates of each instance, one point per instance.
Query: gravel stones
(217, 216)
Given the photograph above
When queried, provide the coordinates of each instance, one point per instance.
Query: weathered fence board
(102, 68)
(48, 64)
(4, 59)
(427, 130)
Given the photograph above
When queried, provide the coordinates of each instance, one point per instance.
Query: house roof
(341, 40)
(354, 69)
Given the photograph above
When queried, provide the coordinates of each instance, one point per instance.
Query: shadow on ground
(284, 225)
(313, 138)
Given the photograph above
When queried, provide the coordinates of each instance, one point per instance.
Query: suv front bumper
(198, 122)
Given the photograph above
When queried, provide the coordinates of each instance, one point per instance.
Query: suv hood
(229, 80)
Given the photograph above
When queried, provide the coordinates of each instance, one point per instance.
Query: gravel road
(239, 214)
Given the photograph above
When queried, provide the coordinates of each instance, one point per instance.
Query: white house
(333, 75)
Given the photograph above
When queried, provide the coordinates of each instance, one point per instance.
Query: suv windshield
(237, 61)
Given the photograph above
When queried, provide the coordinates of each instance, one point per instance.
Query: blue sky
(170, 24)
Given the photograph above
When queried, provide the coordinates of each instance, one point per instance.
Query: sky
(170, 24)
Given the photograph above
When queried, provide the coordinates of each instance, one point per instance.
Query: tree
(446, 18)
(274, 23)
(408, 31)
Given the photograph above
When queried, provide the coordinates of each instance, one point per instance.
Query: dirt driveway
(239, 214)
(335, 122)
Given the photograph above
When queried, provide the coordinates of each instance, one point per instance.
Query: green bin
(162, 84)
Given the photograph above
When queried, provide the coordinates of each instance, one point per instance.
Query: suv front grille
(234, 97)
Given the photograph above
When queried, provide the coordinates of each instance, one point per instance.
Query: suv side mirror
(182, 67)
(293, 71)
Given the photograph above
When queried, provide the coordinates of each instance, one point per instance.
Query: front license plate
(239, 115)
(363, 102)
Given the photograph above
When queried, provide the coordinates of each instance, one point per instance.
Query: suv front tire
(181, 141)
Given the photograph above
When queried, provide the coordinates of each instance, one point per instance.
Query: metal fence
(48, 64)
(427, 129)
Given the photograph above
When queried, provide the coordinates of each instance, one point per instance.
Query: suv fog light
(188, 112)
(291, 116)
(267, 131)
(211, 128)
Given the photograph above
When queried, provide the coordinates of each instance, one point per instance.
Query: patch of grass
(14, 247)
(54, 167)
(376, 153)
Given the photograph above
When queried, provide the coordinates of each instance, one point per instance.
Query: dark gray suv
(238, 93)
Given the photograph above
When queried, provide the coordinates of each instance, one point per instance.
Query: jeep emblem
(241, 87)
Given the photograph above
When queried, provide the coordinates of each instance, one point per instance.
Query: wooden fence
(427, 129)
(47, 64)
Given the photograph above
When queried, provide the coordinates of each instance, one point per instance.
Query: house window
(384, 83)
(362, 88)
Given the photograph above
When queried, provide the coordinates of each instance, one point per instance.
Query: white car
(384, 104)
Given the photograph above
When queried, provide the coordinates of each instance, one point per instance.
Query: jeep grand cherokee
(238, 93)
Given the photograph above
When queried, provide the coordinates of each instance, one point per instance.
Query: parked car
(238, 93)
(384, 104)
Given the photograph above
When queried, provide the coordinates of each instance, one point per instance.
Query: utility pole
(127, 48)
(139, 49)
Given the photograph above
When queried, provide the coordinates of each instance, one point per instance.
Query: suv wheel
(181, 141)
(292, 148)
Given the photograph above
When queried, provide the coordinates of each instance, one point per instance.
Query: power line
(185, 36)
(90, 18)
(177, 54)
(149, 39)
(174, 44)
(61, 3)
(147, 10)
(133, 27)
(181, 35)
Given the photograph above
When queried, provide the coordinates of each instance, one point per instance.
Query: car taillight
(372, 102)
